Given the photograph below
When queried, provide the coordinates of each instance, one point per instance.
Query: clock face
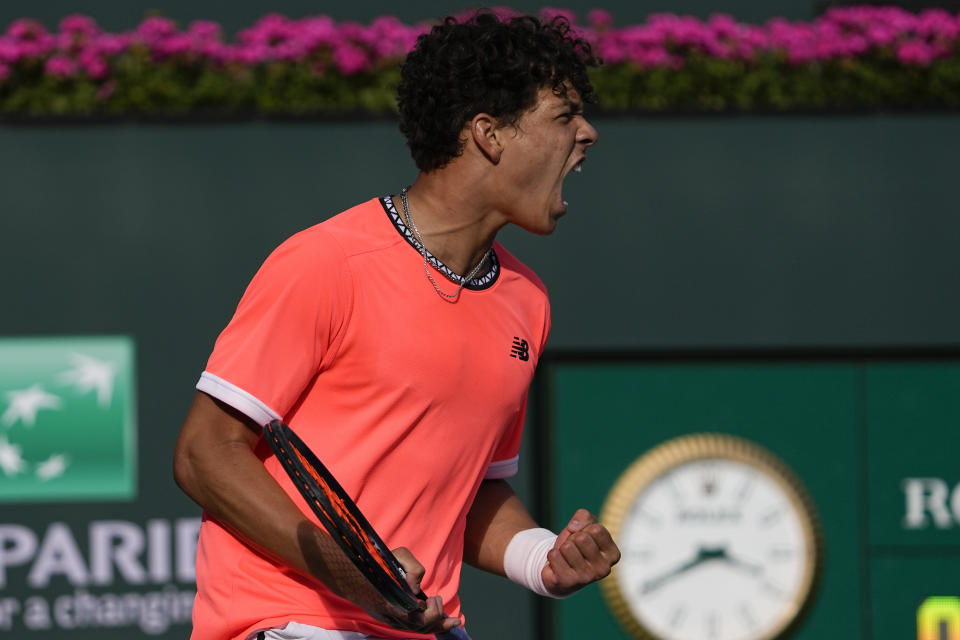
(718, 543)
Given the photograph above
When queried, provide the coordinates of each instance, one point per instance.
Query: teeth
(579, 167)
(565, 203)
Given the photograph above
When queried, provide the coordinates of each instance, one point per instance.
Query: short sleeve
(506, 457)
(286, 329)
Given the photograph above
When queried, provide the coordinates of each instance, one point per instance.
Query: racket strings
(344, 512)
(341, 518)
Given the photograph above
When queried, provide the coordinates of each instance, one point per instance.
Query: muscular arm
(583, 553)
(214, 464)
(496, 516)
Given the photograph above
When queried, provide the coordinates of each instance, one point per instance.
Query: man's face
(548, 142)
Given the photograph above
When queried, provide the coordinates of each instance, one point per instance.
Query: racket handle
(457, 633)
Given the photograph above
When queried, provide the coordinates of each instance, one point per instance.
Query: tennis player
(399, 339)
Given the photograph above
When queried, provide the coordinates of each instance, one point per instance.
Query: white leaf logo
(25, 403)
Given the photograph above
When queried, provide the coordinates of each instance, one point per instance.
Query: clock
(719, 541)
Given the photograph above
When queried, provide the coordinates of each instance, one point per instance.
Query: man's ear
(485, 133)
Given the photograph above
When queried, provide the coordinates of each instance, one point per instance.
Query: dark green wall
(785, 231)
(236, 15)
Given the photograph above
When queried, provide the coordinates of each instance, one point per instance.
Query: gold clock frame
(705, 446)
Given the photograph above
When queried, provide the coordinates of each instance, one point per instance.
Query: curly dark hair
(484, 65)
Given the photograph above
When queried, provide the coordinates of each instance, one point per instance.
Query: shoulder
(332, 242)
(525, 290)
(359, 229)
(519, 273)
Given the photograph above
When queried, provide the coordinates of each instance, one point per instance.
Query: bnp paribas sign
(67, 419)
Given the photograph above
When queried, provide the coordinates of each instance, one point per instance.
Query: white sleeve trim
(237, 398)
(503, 469)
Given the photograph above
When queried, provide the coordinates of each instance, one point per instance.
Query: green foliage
(136, 85)
(712, 85)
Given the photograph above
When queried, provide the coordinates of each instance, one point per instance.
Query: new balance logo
(520, 349)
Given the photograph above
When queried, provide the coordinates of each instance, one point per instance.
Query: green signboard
(67, 419)
(83, 553)
(873, 442)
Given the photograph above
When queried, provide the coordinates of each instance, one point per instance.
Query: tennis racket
(341, 517)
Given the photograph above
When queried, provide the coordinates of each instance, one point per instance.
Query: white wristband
(526, 556)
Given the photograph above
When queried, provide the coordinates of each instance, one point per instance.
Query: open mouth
(576, 168)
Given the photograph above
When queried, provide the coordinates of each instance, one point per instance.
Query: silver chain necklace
(423, 252)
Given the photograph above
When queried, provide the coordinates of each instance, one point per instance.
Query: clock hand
(703, 555)
(740, 564)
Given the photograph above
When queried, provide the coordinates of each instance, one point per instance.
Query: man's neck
(457, 224)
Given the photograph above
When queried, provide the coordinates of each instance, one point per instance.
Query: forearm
(496, 516)
(215, 466)
(546, 563)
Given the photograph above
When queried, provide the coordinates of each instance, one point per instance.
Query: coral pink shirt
(410, 401)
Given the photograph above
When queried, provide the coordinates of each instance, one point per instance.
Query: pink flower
(390, 38)
(881, 35)
(174, 45)
(351, 30)
(642, 35)
(610, 50)
(293, 50)
(96, 68)
(501, 13)
(799, 41)
(855, 46)
(216, 51)
(111, 45)
(32, 38)
(755, 38)
(664, 41)
(205, 30)
(899, 19)
(350, 59)
(684, 31)
(318, 31)
(93, 65)
(10, 50)
(802, 53)
(251, 54)
(724, 26)
(79, 24)
(271, 30)
(744, 51)
(43, 45)
(60, 67)
(155, 28)
(656, 57)
(599, 19)
(26, 29)
(934, 23)
(942, 50)
(718, 49)
(915, 53)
